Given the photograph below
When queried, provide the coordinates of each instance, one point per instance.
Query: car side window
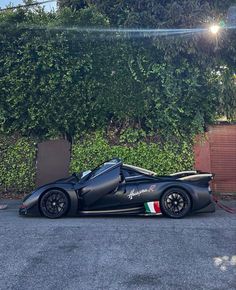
(100, 170)
(124, 173)
(129, 173)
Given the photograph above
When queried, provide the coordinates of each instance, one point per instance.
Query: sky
(48, 6)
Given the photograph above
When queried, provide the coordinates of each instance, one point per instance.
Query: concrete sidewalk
(11, 203)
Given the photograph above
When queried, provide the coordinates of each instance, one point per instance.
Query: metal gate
(216, 153)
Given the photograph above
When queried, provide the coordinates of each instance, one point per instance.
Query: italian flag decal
(152, 207)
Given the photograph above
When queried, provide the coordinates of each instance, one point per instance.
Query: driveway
(198, 252)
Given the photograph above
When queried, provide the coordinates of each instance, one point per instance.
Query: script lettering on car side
(134, 193)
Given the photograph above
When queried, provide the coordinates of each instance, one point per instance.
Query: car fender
(200, 196)
(32, 201)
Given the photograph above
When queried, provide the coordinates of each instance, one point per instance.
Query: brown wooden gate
(217, 154)
(53, 161)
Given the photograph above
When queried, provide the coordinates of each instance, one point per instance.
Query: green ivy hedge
(161, 158)
(18, 157)
(17, 164)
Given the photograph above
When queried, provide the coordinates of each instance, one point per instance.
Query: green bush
(17, 164)
(161, 158)
(18, 156)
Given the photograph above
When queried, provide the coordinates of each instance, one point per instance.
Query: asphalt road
(198, 252)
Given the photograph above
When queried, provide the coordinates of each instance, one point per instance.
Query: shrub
(17, 163)
(18, 156)
(161, 158)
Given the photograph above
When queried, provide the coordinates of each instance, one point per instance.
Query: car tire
(175, 203)
(54, 204)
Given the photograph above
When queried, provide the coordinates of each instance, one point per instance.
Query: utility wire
(27, 5)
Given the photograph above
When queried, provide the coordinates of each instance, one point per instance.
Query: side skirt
(135, 211)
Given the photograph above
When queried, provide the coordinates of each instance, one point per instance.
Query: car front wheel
(175, 203)
(54, 204)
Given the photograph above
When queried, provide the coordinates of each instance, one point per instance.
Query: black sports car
(117, 188)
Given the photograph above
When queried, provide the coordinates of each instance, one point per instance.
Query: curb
(3, 206)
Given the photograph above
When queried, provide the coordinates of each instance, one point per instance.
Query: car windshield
(103, 167)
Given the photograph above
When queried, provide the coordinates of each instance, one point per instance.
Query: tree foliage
(58, 77)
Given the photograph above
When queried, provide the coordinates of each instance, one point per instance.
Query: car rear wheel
(54, 204)
(175, 203)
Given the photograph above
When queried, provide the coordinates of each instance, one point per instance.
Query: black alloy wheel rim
(175, 203)
(55, 203)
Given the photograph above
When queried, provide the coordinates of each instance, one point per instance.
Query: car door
(99, 186)
(117, 199)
